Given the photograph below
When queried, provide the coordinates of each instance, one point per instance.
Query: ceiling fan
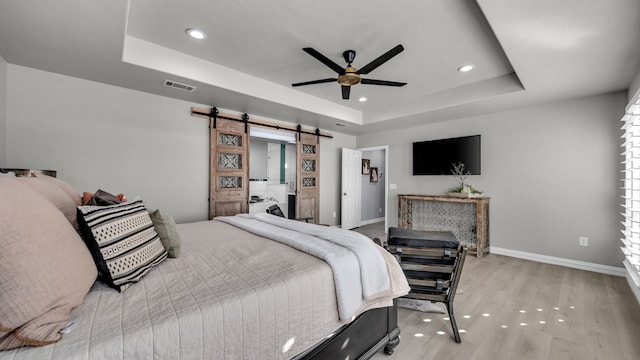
(350, 76)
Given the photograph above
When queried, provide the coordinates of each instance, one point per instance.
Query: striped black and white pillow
(122, 240)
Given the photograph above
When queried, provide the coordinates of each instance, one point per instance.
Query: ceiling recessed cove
(179, 86)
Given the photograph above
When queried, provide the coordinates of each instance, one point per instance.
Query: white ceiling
(525, 52)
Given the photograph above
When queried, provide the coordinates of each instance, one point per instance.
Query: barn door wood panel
(229, 178)
(308, 178)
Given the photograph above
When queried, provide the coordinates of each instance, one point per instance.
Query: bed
(230, 294)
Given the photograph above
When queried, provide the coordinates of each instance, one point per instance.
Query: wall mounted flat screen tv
(436, 157)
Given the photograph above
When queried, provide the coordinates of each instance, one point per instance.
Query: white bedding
(231, 295)
(359, 269)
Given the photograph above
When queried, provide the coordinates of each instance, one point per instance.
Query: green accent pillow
(166, 229)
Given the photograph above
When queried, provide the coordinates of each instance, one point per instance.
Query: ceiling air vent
(179, 86)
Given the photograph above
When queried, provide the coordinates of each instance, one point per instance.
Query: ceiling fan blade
(381, 82)
(315, 82)
(346, 90)
(381, 60)
(325, 60)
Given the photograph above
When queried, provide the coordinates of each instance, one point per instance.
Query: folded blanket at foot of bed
(364, 273)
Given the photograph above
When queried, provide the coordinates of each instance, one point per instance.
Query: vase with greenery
(464, 188)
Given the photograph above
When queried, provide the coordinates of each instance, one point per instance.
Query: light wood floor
(510, 308)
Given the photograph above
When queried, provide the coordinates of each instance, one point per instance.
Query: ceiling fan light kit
(349, 75)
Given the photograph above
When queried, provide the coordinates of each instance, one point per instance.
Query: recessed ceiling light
(196, 34)
(465, 68)
(362, 99)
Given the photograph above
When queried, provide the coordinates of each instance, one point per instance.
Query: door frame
(386, 180)
(268, 135)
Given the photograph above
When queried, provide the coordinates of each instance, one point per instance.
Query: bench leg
(456, 334)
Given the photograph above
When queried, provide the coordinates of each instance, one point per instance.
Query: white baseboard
(372, 221)
(634, 288)
(603, 269)
(633, 281)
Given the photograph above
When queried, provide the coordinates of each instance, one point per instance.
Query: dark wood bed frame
(361, 339)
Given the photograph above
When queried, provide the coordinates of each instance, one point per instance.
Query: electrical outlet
(584, 241)
(334, 214)
(380, 210)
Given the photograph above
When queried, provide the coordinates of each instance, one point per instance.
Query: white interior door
(350, 215)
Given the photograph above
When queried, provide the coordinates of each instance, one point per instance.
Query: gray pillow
(166, 229)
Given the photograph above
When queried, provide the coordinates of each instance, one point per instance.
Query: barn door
(229, 178)
(308, 178)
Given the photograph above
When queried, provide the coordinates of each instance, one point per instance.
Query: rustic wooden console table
(467, 218)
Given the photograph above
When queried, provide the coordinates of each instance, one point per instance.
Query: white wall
(120, 140)
(635, 86)
(373, 192)
(101, 136)
(258, 159)
(3, 111)
(552, 172)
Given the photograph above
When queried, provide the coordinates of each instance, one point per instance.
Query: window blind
(631, 187)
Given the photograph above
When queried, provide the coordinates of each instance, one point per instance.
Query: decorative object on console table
(467, 218)
(464, 190)
(464, 194)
